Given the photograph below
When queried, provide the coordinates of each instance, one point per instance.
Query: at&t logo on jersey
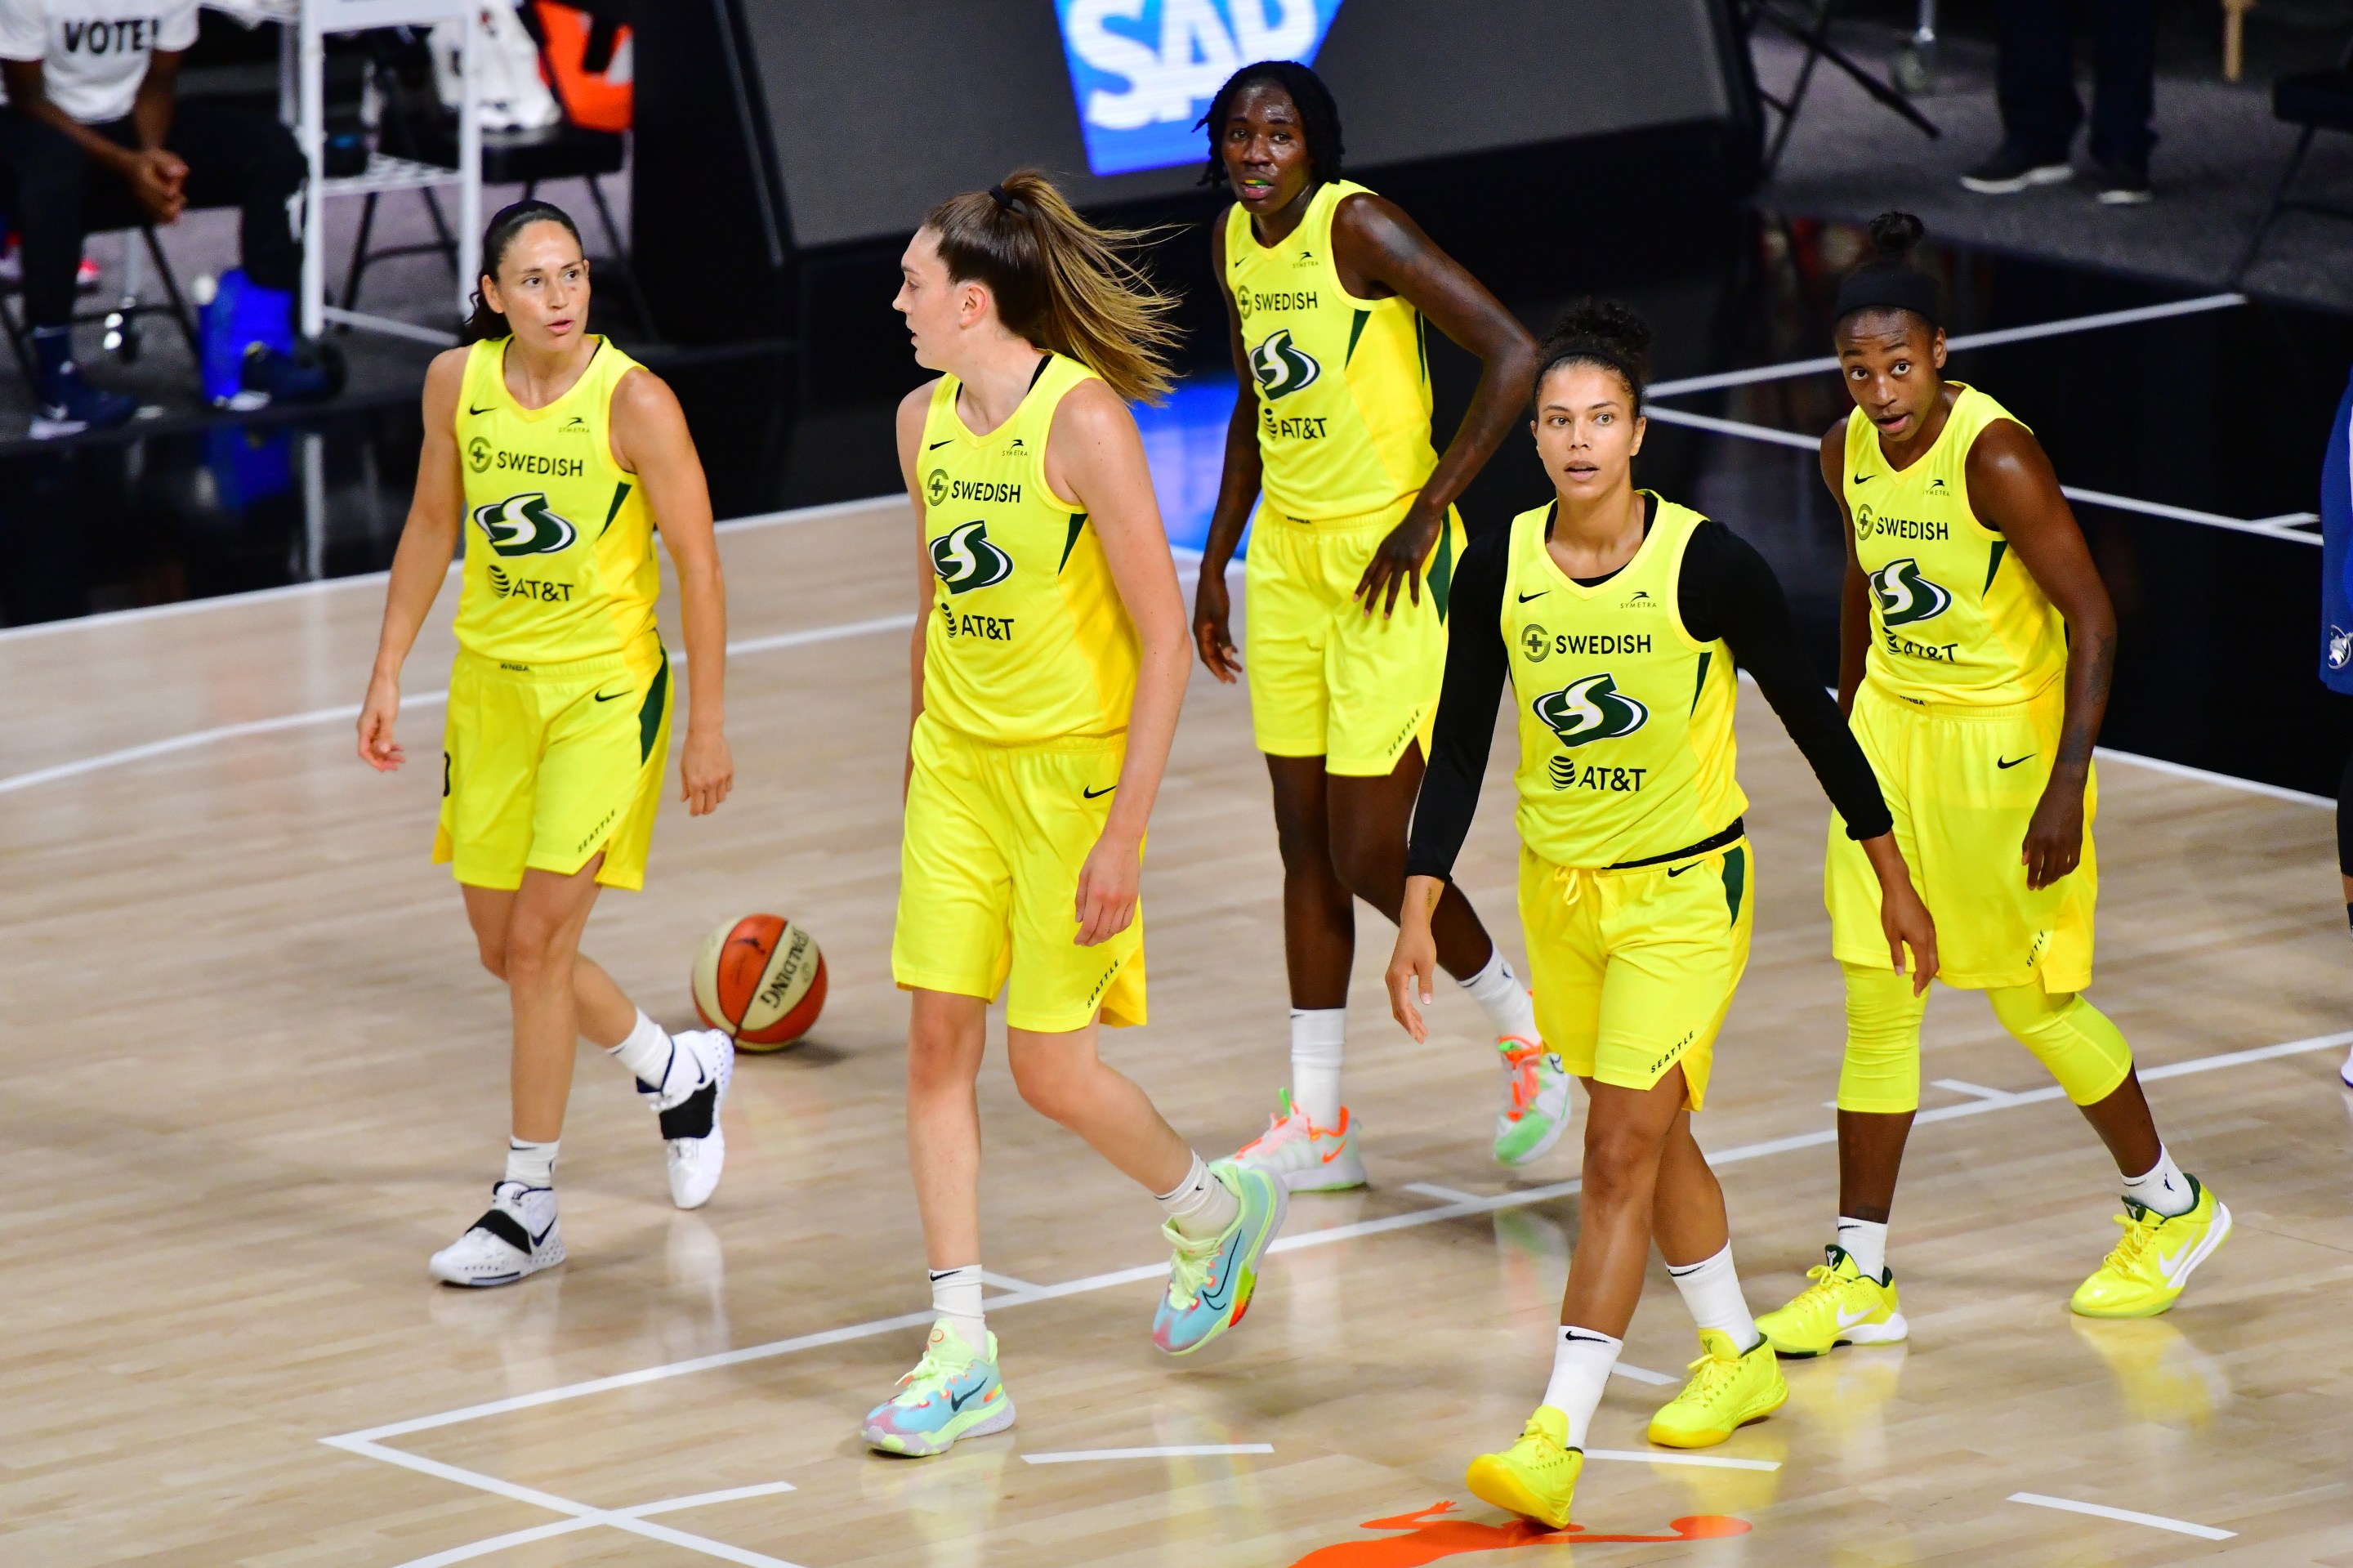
(1589, 710)
(1282, 367)
(524, 526)
(1905, 596)
(1144, 71)
(965, 560)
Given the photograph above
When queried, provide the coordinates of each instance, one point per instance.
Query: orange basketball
(762, 980)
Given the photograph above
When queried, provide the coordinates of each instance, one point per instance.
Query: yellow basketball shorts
(989, 879)
(1325, 679)
(544, 764)
(1633, 970)
(1962, 784)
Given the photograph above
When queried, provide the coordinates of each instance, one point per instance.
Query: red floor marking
(1458, 1537)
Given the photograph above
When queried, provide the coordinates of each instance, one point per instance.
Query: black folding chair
(2318, 101)
(1811, 29)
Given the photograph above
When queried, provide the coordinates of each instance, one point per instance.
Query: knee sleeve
(2085, 1052)
(1881, 1071)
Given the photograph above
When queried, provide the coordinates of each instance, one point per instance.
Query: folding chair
(1812, 29)
(2318, 101)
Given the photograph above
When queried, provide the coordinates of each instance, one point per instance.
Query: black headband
(1009, 203)
(1889, 288)
(1600, 353)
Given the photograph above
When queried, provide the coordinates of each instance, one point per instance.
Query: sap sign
(1145, 70)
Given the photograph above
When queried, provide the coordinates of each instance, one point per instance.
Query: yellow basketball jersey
(1626, 739)
(1028, 640)
(1953, 618)
(1342, 383)
(559, 541)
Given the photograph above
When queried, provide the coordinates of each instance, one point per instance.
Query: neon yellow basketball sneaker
(2146, 1273)
(1535, 1477)
(1843, 1305)
(1728, 1389)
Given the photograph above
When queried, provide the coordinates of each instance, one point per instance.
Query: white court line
(420, 700)
(1174, 1451)
(2100, 1510)
(1966, 340)
(1978, 1091)
(589, 1520)
(1432, 1189)
(2282, 527)
(1701, 1461)
(2229, 781)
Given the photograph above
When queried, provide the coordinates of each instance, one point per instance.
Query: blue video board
(1144, 71)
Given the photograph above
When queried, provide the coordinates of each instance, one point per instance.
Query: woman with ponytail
(1976, 644)
(1049, 662)
(564, 454)
(1617, 618)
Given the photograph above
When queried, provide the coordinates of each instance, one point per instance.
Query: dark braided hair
(1607, 332)
(1319, 116)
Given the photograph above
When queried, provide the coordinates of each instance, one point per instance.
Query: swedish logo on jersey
(1589, 710)
(1905, 596)
(1282, 366)
(524, 526)
(965, 560)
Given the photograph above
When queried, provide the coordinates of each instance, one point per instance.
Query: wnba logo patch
(1590, 710)
(1905, 596)
(965, 560)
(524, 526)
(1282, 366)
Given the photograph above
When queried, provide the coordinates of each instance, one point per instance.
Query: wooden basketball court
(253, 1076)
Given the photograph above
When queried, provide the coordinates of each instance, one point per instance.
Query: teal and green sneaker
(953, 1392)
(1210, 1280)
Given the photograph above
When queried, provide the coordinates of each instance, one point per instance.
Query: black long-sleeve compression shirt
(1724, 590)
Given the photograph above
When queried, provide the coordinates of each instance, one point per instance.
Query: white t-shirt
(93, 53)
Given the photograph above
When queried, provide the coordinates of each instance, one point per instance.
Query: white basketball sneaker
(518, 1236)
(1303, 1157)
(689, 1104)
(1535, 1108)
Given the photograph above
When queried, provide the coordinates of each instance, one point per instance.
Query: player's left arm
(1095, 456)
(1375, 243)
(2013, 487)
(650, 439)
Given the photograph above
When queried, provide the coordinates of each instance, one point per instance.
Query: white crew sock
(1581, 1360)
(533, 1164)
(955, 1295)
(1711, 1289)
(646, 1052)
(1201, 1205)
(1866, 1243)
(1318, 1038)
(1502, 997)
(2162, 1187)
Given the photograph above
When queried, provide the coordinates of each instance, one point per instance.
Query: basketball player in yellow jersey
(1976, 647)
(1049, 661)
(558, 453)
(1617, 617)
(1352, 558)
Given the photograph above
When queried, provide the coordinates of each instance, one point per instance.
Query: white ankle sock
(1201, 1205)
(533, 1164)
(1318, 1037)
(2162, 1187)
(1503, 999)
(1711, 1289)
(955, 1295)
(1866, 1243)
(1581, 1360)
(646, 1052)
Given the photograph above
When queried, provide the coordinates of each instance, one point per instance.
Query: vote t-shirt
(93, 53)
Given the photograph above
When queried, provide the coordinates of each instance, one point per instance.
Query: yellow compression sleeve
(1881, 1072)
(2084, 1051)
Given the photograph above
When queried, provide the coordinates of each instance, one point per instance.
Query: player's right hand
(1213, 629)
(1413, 964)
(382, 706)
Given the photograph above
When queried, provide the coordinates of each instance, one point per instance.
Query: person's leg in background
(2123, 101)
(2036, 85)
(253, 163)
(53, 180)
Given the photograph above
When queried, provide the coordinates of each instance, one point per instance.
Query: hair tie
(1005, 203)
(1886, 287)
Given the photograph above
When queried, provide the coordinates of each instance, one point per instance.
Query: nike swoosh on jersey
(937, 445)
(1678, 871)
(616, 697)
(1097, 794)
(1538, 594)
(1864, 478)
(2014, 762)
(471, 409)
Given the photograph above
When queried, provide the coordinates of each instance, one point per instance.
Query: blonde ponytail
(1060, 282)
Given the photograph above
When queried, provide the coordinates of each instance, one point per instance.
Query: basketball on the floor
(762, 980)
